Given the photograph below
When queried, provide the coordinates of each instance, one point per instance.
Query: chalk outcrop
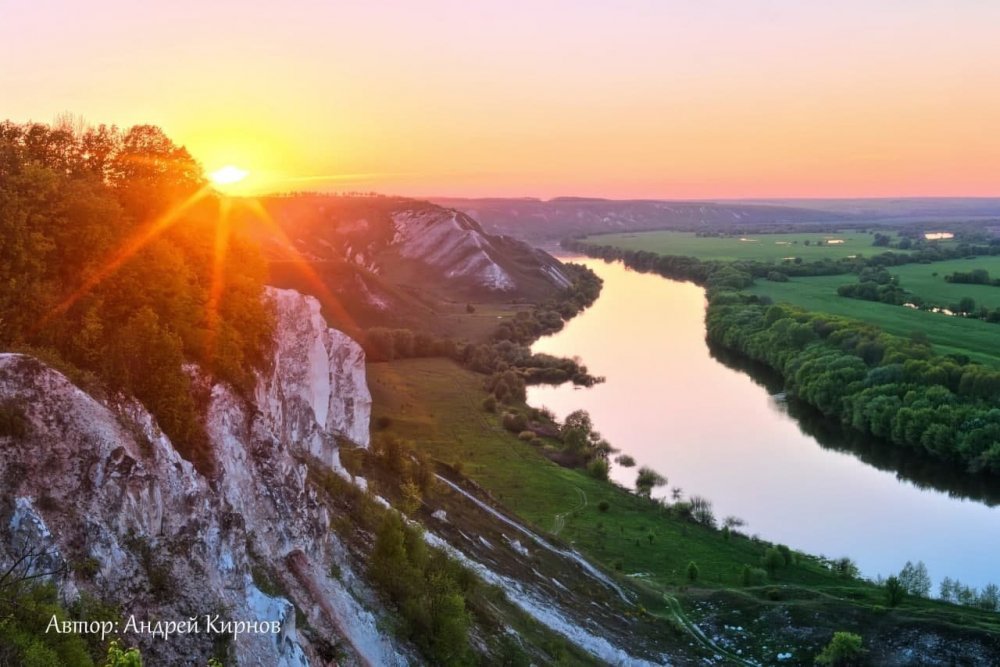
(96, 481)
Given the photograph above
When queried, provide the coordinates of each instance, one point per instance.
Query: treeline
(974, 277)
(507, 358)
(696, 270)
(107, 266)
(875, 285)
(891, 387)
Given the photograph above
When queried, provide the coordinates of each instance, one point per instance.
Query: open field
(436, 404)
(949, 335)
(761, 247)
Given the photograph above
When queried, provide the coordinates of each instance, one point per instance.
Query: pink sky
(690, 98)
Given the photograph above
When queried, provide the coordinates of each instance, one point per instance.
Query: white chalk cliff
(97, 481)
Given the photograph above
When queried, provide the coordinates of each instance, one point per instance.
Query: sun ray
(327, 298)
(137, 242)
(221, 250)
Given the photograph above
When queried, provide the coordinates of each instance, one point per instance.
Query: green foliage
(625, 461)
(514, 422)
(603, 506)
(772, 560)
(119, 657)
(426, 588)
(647, 480)
(753, 576)
(490, 404)
(25, 613)
(107, 245)
(692, 572)
(598, 469)
(844, 650)
(894, 591)
(888, 386)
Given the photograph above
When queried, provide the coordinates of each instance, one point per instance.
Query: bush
(692, 572)
(894, 591)
(598, 469)
(603, 506)
(490, 404)
(382, 423)
(527, 436)
(844, 650)
(772, 561)
(753, 576)
(514, 422)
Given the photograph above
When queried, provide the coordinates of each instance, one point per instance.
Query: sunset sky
(654, 98)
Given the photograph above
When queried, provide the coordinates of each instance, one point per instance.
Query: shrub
(753, 576)
(894, 591)
(772, 560)
(490, 404)
(515, 423)
(844, 650)
(603, 506)
(527, 436)
(382, 422)
(692, 572)
(598, 469)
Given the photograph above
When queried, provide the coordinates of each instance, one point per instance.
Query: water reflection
(715, 430)
(923, 471)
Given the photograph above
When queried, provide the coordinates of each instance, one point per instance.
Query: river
(721, 433)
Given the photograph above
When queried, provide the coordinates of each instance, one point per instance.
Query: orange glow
(137, 242)
(228, 175)
(734, 98)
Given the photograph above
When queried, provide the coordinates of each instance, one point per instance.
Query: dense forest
(891, 387)
(110, 245)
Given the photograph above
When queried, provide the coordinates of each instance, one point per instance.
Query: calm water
(715, 432)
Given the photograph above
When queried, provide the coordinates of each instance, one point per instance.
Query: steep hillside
(271, 557)
(389, 259)
(539, 221)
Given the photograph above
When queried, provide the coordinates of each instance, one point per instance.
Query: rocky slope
(101, 494)
(96, 482)
(405, 243)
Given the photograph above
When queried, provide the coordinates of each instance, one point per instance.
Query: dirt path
(560, 520)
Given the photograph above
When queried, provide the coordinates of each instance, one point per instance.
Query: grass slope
(949, 335)
(436, 404)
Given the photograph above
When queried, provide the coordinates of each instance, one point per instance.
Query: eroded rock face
(98, 482)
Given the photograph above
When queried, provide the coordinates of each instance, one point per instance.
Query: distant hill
(539, 221)
(395, 261)
(543, 221)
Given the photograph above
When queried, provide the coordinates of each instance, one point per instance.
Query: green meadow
(949, 334)
(810, 247)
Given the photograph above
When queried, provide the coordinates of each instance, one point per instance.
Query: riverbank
(435, 404)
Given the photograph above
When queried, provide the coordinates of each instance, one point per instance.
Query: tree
(772, 561)
(915, 580)
(894, 591)
(118, 657)
(844, 650)
(701, 511)
(692, 572)
(947, 588)
(647, 480)
(989, 597)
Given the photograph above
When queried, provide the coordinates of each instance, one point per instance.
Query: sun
(228, 175)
